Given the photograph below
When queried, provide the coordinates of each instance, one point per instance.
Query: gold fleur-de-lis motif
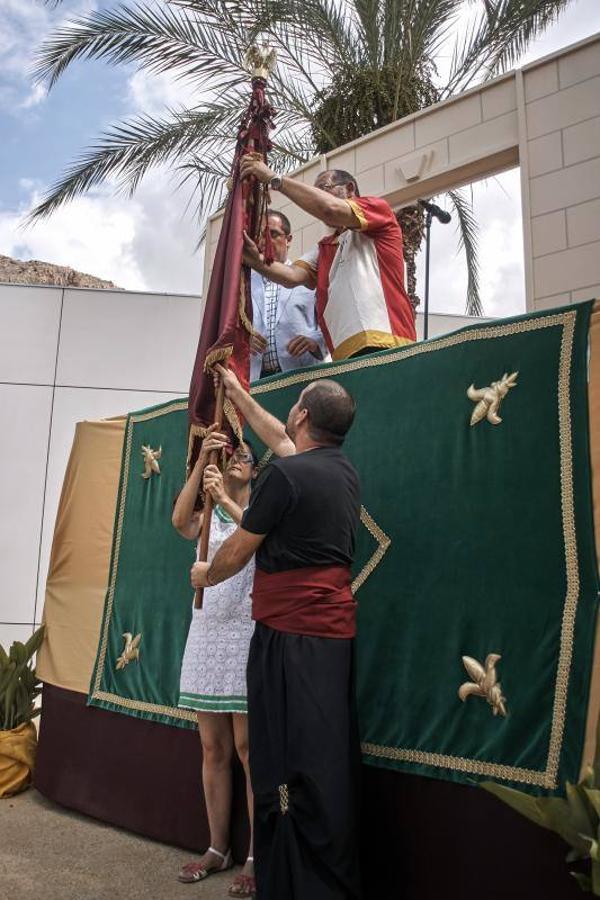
(130, 651)
(151, 458)
(485, 682)
(488, 399)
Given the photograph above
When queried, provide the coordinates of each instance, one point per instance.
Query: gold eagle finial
(485, 682)
(151, 458)
(130, 650)
(260, 59)
(488, 399)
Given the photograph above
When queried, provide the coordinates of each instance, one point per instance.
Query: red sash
(315, 601)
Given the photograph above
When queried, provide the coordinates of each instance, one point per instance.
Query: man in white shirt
(284, 319)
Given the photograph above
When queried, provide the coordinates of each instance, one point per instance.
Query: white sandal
(193, 872)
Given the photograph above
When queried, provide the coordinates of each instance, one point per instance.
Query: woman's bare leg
(216, 735)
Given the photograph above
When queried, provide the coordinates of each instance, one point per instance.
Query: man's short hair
(340, 176)
(284, 220)
(331, 410)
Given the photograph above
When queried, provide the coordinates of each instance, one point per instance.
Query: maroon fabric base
(129, 772)
(421, 839)
(424, 839)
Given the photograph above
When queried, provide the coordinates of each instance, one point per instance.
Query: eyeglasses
(242, 457)
(275, 233)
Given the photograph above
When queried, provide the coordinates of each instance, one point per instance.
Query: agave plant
(575, 817)
(346, 67)
(19, 685)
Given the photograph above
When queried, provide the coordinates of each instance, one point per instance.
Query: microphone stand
(428, 218)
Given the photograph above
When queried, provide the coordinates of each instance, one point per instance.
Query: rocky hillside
(32, 271)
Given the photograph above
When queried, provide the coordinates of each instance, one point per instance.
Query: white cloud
(141, 243)
(25, 24)
(153, 94)
(497, 208)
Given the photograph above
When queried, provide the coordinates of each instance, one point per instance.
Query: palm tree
(346, 67)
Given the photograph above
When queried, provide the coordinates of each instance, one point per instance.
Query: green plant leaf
(35, 641)
(582, 816)
(525, 804)
(584, 881)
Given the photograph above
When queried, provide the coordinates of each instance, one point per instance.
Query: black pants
(304, 763)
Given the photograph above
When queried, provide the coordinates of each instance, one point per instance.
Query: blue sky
(147, 242)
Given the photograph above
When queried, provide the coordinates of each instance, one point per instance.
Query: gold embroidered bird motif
(488, 399)
(485, 683)
(260, 59)
(151, 458)
(130, 651)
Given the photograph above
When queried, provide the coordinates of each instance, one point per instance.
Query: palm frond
(497, 37)
(161, 39)
(468, 241)
(128, 150)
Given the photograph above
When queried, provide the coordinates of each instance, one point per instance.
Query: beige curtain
(80, 557)
(594, 407)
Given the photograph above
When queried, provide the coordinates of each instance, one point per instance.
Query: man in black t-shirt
(304, 750)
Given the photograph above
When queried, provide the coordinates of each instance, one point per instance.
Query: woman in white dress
(213, 672)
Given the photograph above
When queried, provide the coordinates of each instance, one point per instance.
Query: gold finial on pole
(260, 59)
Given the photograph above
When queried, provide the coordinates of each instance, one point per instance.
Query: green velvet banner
(149, 597)
(476, 541)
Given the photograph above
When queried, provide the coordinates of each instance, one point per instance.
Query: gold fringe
(220, 354)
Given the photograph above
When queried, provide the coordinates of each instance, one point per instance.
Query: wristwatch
(275, 183)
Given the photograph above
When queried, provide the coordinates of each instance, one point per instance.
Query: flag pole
(208, 501)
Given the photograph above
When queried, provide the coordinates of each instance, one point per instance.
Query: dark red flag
(227, 323)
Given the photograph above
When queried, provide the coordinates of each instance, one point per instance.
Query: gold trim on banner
(96, 693)
(383, 542)
(548, 777)
(141, 706)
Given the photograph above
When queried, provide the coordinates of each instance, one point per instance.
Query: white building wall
(67, 355)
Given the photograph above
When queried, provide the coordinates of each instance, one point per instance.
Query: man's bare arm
(230, 558)
(269, 429)
(287, 276)
(332, 210)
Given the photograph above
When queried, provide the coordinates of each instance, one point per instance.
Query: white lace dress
(213, 671)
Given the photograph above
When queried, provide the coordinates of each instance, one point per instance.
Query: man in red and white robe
(358, 270)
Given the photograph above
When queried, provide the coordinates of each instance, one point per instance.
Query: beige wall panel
(581, 141)
(551, 302)
(580, 65)
(29, 319)
(590, 292)
(343, 159)
(309, 173)
(567, 270)
(372, 181)
(448, 119)
(567, 187)
(478, 141)
(309, 236)
(541, 81)
(434, 158)
(499, 99)
(583, 223)
(582, 101)
(398, 141)
(545, 154)
(549, 233)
